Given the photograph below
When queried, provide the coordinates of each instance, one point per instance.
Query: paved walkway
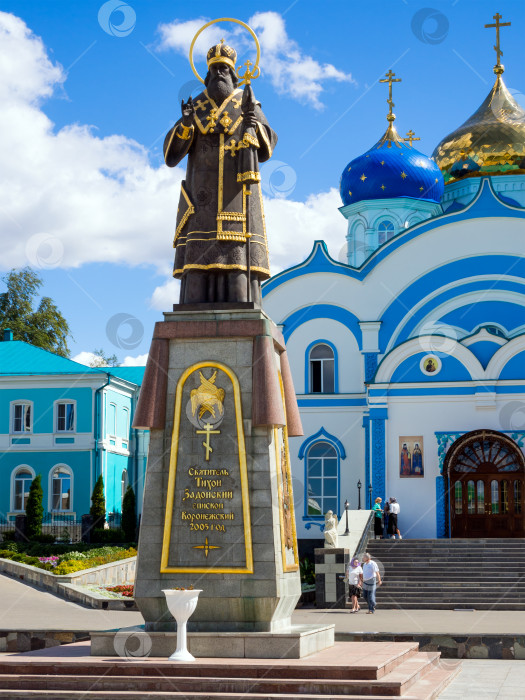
(487, 680)
(26, 608)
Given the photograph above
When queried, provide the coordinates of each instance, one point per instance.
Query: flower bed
(71, 562)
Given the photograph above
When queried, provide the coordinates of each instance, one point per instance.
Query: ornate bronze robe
(214, 202)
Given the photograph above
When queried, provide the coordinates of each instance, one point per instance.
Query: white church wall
(345, 424)
(424, 416)
(349, 358)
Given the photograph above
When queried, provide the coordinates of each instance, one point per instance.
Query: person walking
(371, 579)
(393, 528)
(354, 576)
(378, 519)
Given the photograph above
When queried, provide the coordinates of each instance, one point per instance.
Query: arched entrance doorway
(485, 472)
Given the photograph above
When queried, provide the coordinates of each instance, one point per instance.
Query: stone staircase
(373, 670)
(451, 573)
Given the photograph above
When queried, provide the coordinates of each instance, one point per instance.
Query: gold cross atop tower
(390, 79)
(411, 136)
(499, 67)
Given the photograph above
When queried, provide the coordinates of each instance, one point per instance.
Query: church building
(409, 359)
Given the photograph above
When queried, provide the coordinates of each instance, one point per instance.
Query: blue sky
(85, 198)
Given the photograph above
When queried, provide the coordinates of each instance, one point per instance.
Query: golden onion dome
(493, 137)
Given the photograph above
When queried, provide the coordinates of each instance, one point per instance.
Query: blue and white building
(69, 423)
(409, 359)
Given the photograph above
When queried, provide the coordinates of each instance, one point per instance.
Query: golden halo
(224, 19)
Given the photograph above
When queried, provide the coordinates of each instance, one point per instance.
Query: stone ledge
(298, 641)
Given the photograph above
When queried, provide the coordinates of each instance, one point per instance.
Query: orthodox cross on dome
(411, 136)
(498, 68)
(389, 78)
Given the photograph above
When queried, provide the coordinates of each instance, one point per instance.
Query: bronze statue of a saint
(220, 238)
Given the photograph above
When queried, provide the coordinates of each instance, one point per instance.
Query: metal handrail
(367, 531)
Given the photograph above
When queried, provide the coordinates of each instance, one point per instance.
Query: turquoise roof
(130, 374)
(391, 168)
(20, 358)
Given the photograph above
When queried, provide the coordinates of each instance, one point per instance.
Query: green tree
(34, 508)
(98, 504)
(43, 326)
(129, 516)
(100, 359)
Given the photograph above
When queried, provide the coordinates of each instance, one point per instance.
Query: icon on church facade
(411, 456)
(430, 364)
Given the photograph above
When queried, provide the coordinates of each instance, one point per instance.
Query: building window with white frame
(65, 417)
(385, 231)
(321, 479)
(22, 417)
(322, 369)
(22, 483)
(61, 489)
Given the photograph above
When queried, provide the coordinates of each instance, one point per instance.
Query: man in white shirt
(371, 578)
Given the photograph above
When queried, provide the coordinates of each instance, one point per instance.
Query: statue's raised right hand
(188, 112)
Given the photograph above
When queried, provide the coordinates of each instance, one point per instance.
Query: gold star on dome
(436, 180)
(421, 189)
(382, 162)
(403, 175)
(363, 177)
(350, 168)
(382, 187)
(349, 193)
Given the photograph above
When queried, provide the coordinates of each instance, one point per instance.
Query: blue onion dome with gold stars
(391, 168)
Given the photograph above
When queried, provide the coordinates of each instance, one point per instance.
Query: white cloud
(139, 361)
(68, 197)
(165, 295)
(84, 358)
(289, 69)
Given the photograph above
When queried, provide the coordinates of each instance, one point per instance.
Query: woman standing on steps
(354, 576)
(378, 519)
(393, 528)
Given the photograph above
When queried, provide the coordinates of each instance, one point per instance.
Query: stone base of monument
(330, 567)
(218, 511)
(298, 641)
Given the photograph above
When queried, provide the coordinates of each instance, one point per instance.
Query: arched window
(385, 231)
(112, 419)
(61, 481)
(322, 369)
(21, 484)
(321, 479)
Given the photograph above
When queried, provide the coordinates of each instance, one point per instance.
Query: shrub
(44, 539)
(8, 536)
(101, 535)
(67, 556)
(11, 546)
(6, 554)
(98, 503)
(34, 508)
(129, 516)
(69, 567)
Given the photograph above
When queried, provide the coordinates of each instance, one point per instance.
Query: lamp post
(359, 484)
(370, 495)
(347, 505)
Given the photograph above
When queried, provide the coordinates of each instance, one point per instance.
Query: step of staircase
(349, 669)
(446, 574)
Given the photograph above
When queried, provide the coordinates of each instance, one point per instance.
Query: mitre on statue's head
(222, 53)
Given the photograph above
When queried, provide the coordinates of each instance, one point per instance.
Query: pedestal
(330, 567)
(218, 506)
